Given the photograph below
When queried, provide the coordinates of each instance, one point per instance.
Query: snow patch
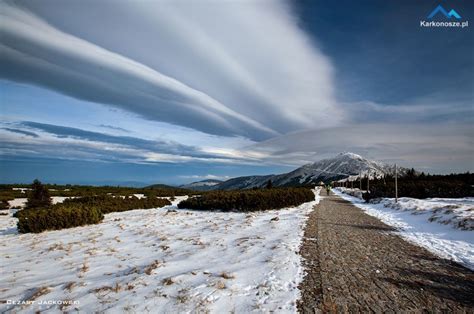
(160, 260)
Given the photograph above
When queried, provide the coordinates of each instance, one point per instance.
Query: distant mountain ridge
(204, 185)
(344, 165)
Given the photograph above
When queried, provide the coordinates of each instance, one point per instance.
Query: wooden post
(396, 184)
(368, 181)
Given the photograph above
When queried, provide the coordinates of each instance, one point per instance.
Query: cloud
(158, 145)
(426, 109)
(23, 132)
(232, 69)
(114, 128)
(243, 71)
(78, 144)
(435, 147)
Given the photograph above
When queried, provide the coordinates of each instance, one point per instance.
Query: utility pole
(396, 184)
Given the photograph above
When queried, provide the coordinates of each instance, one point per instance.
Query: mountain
(160, 186)
(344, 165)
(244, 182)
(204, 185)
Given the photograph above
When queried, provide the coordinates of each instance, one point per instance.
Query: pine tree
(269, 184)
(39, 196)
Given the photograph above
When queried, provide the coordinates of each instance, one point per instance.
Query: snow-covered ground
(440, 225)
(21, 202)
(158, 260)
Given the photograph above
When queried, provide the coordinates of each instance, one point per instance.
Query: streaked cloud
(22, 132)
(114, 128)
(46, 140)
(428, 147)
(238, 79)
(228, 85)
(157, 145)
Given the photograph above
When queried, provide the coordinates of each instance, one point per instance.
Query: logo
(440, 9)
(439, 17)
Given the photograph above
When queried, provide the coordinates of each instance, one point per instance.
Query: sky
(129, 92)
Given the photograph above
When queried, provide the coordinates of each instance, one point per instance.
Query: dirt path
(354, 263)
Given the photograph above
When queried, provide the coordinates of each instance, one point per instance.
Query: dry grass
(220, 285)
(150, 268)
(102, 289)
(133, 270)
(38, 293)
(66, 303)
(56, 247)
(69, 286)
(91, 251)
(84, 269)
(182, 296)
(226, 275)
(168, 281)
(198, 242)
(115, 289)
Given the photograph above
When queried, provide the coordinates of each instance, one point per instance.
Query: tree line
(40, 214)
(421, 185)
(249, 200)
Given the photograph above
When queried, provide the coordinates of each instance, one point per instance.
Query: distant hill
(160, 186)
(204, 185)
(344, 165)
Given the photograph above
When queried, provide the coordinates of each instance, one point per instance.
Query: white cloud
(233, 69)
(45, 140)
(242, 69)
(435, 147)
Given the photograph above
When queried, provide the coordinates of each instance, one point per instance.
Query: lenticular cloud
(232, 69)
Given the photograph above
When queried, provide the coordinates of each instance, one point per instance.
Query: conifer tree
(39, 196)
(269, 184)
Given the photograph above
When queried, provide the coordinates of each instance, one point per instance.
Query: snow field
(159, 260)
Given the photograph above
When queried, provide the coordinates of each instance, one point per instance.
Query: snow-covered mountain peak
(350, 155)
(343, 165)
